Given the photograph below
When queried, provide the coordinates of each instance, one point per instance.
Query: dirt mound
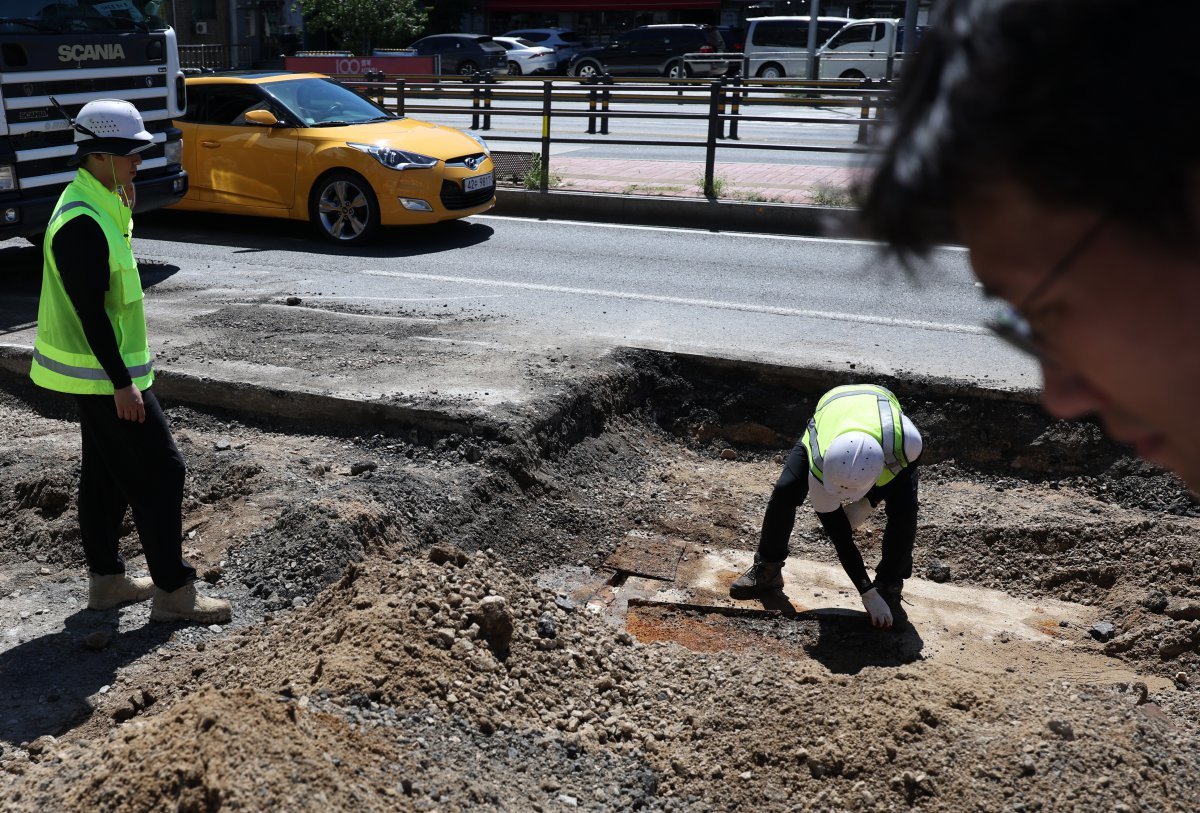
(362, 674)
(325, 711)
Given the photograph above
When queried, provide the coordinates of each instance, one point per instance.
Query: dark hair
(1084, 103)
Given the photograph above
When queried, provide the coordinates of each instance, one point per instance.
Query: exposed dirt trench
(369, 666)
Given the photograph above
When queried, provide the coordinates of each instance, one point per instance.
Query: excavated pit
(358, 673)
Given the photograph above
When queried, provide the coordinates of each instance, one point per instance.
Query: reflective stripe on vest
(75, 204)
(63, 359)
(86, 373)
(893, 453)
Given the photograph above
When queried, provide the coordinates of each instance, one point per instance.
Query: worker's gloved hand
(877, 609)
(858, 511)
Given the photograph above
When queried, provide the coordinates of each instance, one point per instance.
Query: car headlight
(396, 159)
(173, 152)
(486, 149)
(8, 177)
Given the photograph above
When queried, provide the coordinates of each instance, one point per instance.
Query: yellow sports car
(304, 147)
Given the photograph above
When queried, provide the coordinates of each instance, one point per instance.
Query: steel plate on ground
(651, 555)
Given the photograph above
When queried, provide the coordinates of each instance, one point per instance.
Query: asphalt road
(538, 284)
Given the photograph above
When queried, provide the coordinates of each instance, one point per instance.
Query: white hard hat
(110, 127)
(853, 462)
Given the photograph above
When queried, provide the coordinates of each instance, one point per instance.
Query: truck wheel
(344, 209)
(771, 71)
(853, 74)
(587, 70)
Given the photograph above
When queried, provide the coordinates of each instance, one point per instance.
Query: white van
(865, 49)
(777, 47)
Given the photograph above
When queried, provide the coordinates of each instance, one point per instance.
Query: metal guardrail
(202, 57)
(725, 103)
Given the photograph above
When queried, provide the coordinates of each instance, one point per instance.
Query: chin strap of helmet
(119, 189)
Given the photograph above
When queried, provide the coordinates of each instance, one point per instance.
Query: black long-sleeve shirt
(81, 253)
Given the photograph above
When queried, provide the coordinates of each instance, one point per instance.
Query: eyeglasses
(1010, 323)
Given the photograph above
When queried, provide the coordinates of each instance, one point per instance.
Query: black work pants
(899, 497)
(136, 466)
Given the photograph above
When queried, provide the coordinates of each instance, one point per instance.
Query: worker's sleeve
(81, 254)
(900, 505)
(837, 526)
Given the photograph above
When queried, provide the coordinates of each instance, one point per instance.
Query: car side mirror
(264, 118)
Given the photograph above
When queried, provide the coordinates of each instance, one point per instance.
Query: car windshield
(32, 16)
(325, 103)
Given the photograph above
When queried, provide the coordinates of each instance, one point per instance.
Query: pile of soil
(403, 639)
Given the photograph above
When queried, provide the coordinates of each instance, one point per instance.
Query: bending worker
(859, 450)
(91, 344)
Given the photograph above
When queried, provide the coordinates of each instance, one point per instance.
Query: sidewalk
(758, 182)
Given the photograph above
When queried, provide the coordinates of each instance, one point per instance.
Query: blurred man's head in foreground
(1055, 140)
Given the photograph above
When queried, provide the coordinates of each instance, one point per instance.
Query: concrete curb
(649, 210)
(258, 401)
(247, 398)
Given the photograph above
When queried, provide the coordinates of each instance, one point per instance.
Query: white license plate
(479, 182)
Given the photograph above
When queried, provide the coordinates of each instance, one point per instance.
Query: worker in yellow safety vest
(858, 451)
(91, 343)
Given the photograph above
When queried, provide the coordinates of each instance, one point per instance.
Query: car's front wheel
(587, 70)
(344, 209)
(678, 70)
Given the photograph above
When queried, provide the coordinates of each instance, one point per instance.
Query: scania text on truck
(78, 51)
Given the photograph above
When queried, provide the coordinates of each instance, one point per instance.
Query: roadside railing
(601, 106)
(203, 57)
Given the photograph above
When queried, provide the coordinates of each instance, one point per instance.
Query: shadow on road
(257, 234)
(47, 681)
(21, 283)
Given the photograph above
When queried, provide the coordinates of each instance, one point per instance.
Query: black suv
(464, 54)
(654, 50)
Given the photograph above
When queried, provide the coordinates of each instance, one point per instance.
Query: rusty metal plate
(653, 556)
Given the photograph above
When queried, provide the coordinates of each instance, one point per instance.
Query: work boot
(762, 577)
(892, 591)
(185, 604)
(106, 592)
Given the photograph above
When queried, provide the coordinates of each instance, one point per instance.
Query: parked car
(777, 47)
(524, 57)
(734, 37)
(464, 54)
(654, 50)
(302, 146)
(566, 43)
(735, 43)
(866, 49)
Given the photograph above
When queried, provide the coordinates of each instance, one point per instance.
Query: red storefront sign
(599, 5)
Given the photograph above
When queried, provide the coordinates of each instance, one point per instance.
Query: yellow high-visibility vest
(62, 358)
(857, 408)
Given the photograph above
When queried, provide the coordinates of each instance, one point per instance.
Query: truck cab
(79, 52)
(865, 49)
